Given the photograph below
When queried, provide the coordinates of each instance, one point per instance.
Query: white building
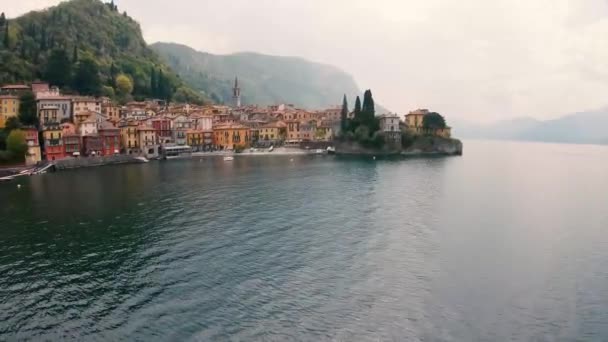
(389, 126)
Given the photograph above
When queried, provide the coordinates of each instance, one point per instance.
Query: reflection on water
(506, 242)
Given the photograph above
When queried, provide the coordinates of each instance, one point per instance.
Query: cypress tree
(357, 108)
(6, 36)
(344, 115)
(369, 109)
(75, 55)
(153, 83)
(2, 19)
(113, 73)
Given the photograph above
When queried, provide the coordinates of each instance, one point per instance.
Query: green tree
(153, 83)
(187, 95)
(86, 79)
(3, 135)
(108, 91)
(357, 112)
(75, 55)
(113, 73)
(2, 19)
(433, 121)
(7, 38)
(15, 144)
(124, 85)
(27, 109)
(369, 109)
(58, 68)
(344, 115)
(12, 123)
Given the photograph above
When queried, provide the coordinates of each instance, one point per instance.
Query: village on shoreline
(77, 127)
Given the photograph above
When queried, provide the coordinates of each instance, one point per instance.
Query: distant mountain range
(588, 127)
(263, 79)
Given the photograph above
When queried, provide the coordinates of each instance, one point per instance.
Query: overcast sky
(470, 59)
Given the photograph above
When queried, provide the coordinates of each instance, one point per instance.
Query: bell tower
(236, 94)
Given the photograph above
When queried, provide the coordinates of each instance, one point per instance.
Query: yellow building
(414, 122)
(272, 131)
(9, 107)
(229, 136)
(194, 138)
(129, 136)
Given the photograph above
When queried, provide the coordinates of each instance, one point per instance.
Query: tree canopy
(15, 144)
(27, 109)
(344, 115)
(91, 33)
(86, 77)
(433, 121)
(124, 85)
(59, 68)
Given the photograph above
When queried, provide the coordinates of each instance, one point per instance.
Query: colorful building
(272, 132)
(415, 125)
(147, 141)
(110, 139)
(34, 155)
(180, 125)
(129, 136)
(58, 108)
(389, 125)
(84, 104)
(53, 142)
(162, 125)
(111, 112)
(92, 145)
(195, 139)
(293, 131)
(229, 136)
(72, 144)
(14, 89)
(9, 107)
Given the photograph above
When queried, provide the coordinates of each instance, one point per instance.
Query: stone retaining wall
(74, 163)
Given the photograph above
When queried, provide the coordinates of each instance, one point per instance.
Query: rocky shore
(421, 146)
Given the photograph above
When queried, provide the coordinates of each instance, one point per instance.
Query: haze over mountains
(114, 41)
(264, 79)
(587, 127)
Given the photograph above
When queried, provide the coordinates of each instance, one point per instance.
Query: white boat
(319, 151)
(331, 150)
(142, 159)
(228, 158)
(271, 149)
(175, 152)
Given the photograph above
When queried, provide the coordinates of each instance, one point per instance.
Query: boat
(271, 149)
(320, 151)
(228, 158)
(331, 150)
(176, 152)
(143, 159)
(7, 178)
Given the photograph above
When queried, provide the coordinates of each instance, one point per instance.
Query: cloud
(474, 59)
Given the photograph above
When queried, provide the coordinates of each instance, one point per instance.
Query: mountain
(587, 127)
(79, 30)
(263, 79)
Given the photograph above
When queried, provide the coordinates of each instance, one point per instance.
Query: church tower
(236, 94)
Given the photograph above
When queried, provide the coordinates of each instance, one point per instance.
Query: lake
(508, 242)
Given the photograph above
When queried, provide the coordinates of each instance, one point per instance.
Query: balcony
(53, 142)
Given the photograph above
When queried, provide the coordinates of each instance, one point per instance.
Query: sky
(476, 60)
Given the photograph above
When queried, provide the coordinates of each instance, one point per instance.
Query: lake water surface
(508, 242)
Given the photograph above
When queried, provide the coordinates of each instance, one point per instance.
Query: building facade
(231, 136)
(9, 107)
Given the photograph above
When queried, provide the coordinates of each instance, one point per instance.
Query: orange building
(229, 136)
